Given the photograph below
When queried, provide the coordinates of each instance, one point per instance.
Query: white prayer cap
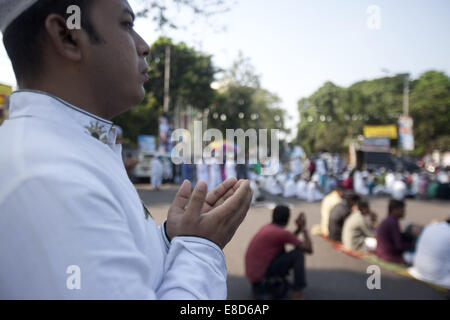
(11, 9)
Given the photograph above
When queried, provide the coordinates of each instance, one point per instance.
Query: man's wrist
(165, 232)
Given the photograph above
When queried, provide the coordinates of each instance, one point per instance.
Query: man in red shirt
(267, 258)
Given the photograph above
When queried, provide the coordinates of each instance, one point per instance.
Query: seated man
(358, 231)
(392, 244)
(266, 256)
(328, 203)
(339, 213)
(432, 258)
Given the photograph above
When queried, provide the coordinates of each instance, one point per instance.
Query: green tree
(430, 109)
(191, 75)
(323, 123)
(332, 116)
(243, 102)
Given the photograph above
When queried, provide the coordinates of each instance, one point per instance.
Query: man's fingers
(241, 213)
(228, 194)
(220, 191)
(238, 184)
(220, 194)
(232, 204)
(197, 200)
(182, 196)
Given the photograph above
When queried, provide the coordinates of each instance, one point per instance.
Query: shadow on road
(328, 284)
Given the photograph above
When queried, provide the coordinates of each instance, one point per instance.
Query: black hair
(395, 204)
(281, 215)
(23, 37)
(363, 204)
(351, 197)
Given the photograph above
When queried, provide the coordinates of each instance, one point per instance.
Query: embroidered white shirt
(72, 225)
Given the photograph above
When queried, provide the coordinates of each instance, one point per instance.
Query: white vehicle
(142, 169)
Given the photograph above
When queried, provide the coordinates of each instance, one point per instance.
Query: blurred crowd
(311, 179)
(308, 178)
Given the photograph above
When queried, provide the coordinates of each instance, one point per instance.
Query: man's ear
(66, 42)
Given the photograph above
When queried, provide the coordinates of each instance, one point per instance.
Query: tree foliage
(243, 101)
(158, 10)
(191, 75)
(430, 109)
(333, 115)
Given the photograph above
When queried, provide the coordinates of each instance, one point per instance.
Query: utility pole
(405, 101)
(406, 97)
(167, 81)
(405, 92)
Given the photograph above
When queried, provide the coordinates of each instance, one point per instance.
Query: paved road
(330, 274)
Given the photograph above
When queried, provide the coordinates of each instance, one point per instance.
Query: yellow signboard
(5, 90)
(2, 99)
(387, 131)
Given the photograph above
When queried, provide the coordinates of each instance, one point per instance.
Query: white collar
(31, 103)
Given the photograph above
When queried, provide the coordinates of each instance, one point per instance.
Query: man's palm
(214, 199)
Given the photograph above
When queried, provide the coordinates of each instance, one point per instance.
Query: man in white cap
(71, 223)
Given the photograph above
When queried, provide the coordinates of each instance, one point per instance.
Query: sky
(298, 45)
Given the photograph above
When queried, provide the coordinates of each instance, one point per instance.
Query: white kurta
(289, 189)
(320, 167)
(359, 184)
(256, 191)
(215, 176)
(313, 193)
(415, 183)
(301, 189)
(202, 172)
(432, 258)
(66, 201)
(230, 169)
(167, 169)
(399, 190)
(272, 186)
(156, 172)
(296, 166)
(389, 180)
(336, 166)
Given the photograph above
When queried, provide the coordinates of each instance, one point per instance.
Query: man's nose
(142, 47)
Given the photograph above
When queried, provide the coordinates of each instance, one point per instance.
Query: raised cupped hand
(215, 216)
